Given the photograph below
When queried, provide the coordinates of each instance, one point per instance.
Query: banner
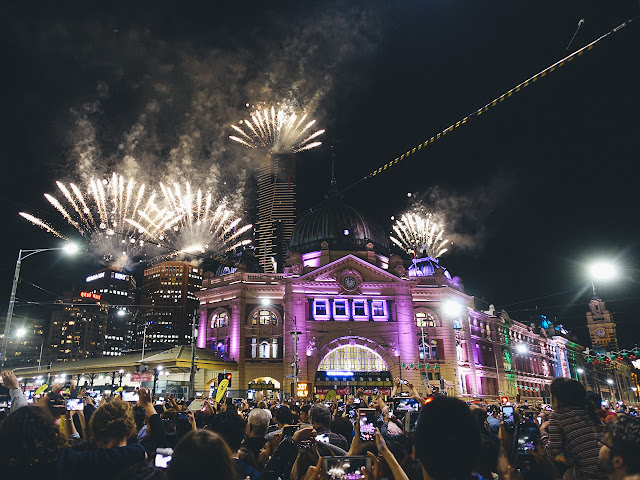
(141, 377)
(350, 390)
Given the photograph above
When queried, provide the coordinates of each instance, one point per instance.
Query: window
(340, 311)
(377, 306)
(353, 358)
(265, 349)
(425, 320)
(220, 319)
(265, 317)
(428, 351)
(359, 308)
(321, 307)
(274, 347)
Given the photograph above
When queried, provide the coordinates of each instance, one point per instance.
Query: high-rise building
(168, 304)
(276, 210)
(25, 341)
(602, 328)
(78, 329)
(117, 289)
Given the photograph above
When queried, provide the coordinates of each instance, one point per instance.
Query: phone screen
(130, 396)
(162, 461)
(404, 382)
(322, 438)
(527, 438)
(367, 424)
(75, 404)
(346, 468)
(406, 404)
(507, 416)
(411, 420)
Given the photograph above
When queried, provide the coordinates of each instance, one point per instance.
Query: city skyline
(535, 189)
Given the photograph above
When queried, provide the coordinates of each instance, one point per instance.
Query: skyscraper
(168, 304)
(117, 289)
(276, 209)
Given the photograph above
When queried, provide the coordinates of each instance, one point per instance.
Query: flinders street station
(344, 313)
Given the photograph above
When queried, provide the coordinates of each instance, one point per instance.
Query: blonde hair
(112, 420)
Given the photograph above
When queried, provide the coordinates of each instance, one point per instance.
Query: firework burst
(277, 130)
(419, 235)
(98, 212)
(190, 222)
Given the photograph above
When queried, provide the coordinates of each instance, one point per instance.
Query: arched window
(425, 319)
(349, 358)
(220, 319)
(264, 317)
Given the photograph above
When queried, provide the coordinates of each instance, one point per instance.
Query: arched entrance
(350, 363)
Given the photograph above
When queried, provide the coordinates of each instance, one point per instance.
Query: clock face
(600, 332)
(349, 282)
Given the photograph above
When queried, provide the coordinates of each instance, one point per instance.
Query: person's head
(594, 401)
(230, 426)
(620, 446)
(196, 452)
(139, 415)
(320, 416)
(566, 392)
(283, 416)
(29, 437)
(258, 422)
(112, 424)
(344, 427)
(304, 413)
(452, 453)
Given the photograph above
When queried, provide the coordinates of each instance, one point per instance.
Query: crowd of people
(64, 434)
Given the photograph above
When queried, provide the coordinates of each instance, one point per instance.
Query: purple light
(345, 231)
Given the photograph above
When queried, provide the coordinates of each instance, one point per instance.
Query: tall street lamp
(601, 270)
(70, 248)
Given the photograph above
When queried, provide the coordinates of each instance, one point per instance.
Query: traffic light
(504, 399)
(229, 378)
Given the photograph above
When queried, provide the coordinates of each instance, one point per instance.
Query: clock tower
(602, 328)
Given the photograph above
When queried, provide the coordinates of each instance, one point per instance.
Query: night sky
(532, 191)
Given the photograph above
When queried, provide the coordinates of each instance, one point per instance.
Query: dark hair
(29, 439)
(569, 392)
(305, 409)
(283, 415)
(625, 440)
(320, 415)
(197, 452)
(452, 452)
(344, 427)
(231, 427)
(112, 420)
(139, 415)
(594, 401)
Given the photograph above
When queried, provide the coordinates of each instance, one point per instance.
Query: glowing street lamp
(580, 370)
(452, 308)
(602, 270)
(610, 381)
(522, 348)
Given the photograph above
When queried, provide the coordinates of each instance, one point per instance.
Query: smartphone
(367, 418)
(410, 421)
(507, 417)
(322, 438)
(196, 405)
(539, 420)
(352, 414)
(346, 468)
(289, 430)
(404, 382)
(356, 400)
(406, 404)
(75, 404)
(129, 396)
(162, 461)
(527, 439)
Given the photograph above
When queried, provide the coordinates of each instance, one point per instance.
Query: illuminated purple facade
(363, 317)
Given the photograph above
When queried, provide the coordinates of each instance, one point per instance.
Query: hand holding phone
(507, 417)
(352, 468)
(367, 418)
(75, 404)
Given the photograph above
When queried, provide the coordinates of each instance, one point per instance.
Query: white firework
(280, 131)
(191, 222)
(98, 210)
(419, 235)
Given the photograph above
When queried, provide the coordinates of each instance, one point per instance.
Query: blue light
(339, 374)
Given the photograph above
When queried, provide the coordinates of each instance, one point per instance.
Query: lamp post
(296, 370)
(70, 248)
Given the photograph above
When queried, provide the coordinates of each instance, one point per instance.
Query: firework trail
(280, 131)
(190, 222)
(99, 215)
(419, 235)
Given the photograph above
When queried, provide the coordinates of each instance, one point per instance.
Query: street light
(610, 381)
(522, 348)
(580, 370)
(69, 248)
(452, 308)
(602, 270)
